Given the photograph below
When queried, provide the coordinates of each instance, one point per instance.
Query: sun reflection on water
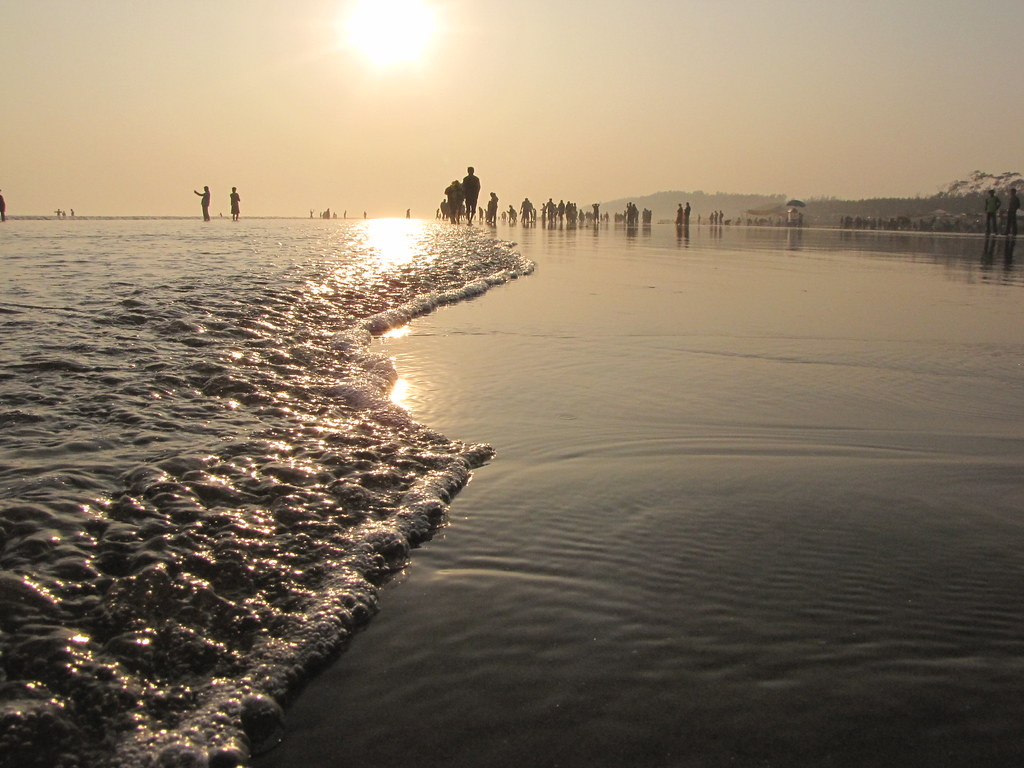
(386, 254)
(400, 393)
(394, 241)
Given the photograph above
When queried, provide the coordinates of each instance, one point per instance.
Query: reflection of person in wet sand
(205, 202)
(235, 200)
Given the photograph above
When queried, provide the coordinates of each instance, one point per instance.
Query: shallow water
(757, 501)
(203, 480)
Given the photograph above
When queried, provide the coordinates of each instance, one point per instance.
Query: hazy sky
(126, 106)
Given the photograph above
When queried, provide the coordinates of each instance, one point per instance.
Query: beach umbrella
(796, 204)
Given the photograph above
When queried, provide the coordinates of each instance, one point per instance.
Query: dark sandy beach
(756, 501)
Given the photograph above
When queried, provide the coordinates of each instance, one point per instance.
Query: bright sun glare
(390, 31)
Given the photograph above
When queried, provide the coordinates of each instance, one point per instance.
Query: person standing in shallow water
(992, 204)
(235, 200)
(205, 202)
(471, 193)
(456, 200)
(492, 210)
(3, 209)
(1012, 206)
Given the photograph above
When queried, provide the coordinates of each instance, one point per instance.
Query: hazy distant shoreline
(821, 222)
(54, 217)
(958, 200)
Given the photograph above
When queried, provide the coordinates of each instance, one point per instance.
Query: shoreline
(505, 231)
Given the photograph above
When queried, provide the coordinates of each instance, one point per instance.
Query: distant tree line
(957, 207)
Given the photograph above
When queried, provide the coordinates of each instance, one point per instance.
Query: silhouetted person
(527, 213)
(3, 209)
(456, 201)
(235, 200)
(679, 215)
(492, 210)
(1012, 206)
(471, 193)
(992, 204)
(686, 215)
(205, 202)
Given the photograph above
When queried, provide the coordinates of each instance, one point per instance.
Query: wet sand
(755, 503)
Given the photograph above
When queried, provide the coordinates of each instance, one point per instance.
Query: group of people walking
(460, 199)
(204, 202)
(553, 214)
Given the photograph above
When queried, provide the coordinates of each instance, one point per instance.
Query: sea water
(757, 502)
(203, 479)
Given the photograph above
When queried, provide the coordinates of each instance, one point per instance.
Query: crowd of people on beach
(461, 203)
(460, 199)
(455, 207)
(327, 213)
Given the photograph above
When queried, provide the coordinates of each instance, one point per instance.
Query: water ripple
(203, 481)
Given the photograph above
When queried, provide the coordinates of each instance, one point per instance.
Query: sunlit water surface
(757, 501)
(203, 479)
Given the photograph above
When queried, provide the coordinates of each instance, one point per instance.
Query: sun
(390, 31)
